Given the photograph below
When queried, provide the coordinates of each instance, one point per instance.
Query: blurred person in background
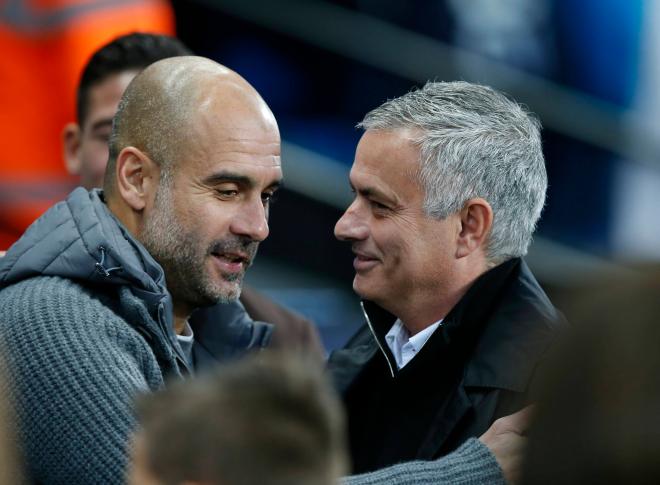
(449, 184)
(102, 83)
(271, 418)
(597, 420)
(44, 46)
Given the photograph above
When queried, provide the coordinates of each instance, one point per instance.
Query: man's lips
(364, 261)
(231, 262)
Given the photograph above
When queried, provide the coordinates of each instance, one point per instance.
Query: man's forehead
(386, 163)
(384, 168)
(271, 164)
(111, 88)
(262, 171)
(370, 181)
(104, 96)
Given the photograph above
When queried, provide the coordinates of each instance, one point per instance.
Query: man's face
(209, 217)
(401, 254)
(86, 146)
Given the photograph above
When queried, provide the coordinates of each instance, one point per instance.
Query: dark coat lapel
(497, 334)
(345, 364)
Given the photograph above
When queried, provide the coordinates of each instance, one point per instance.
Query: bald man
(86, 321)
(102, 83)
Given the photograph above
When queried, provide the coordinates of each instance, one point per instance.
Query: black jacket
(477, 367)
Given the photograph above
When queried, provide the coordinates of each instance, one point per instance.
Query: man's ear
(137, 177)
(71, 135)
(476, 223)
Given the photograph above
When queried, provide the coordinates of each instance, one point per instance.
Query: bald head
(194, 162)
(167, 103)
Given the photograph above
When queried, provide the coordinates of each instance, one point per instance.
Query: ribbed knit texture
(75, 368)
(472, 463)
(86, 324)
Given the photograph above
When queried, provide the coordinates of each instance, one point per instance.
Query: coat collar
(225, 332)
(520, 326)
(504, 321)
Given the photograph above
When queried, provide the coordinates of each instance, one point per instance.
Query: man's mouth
(232, 262)
(364, 261)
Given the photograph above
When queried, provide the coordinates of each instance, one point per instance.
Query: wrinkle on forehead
(239, 158)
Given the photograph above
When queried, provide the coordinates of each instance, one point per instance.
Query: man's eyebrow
(249, 182)
(371, 192)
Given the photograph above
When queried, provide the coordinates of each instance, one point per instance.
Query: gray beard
(183, 259)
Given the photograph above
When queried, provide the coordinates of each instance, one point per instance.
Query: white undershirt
(186, 340)
(403, 346)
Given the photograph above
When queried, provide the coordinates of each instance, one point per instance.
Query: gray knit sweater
(471, 464)
(76, 367)
(85, 325)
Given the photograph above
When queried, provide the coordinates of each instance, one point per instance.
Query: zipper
(373, 332)
(170, 337)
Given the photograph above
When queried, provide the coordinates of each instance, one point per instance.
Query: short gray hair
(474, 142)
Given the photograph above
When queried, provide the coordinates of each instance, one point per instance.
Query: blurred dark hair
(268, 419)
(132, 51)
(598, 419)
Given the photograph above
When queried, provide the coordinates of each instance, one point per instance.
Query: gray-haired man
(449, 183)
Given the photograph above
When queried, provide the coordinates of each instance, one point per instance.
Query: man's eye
(227, 193)
(268, 197)
(102, 137)
(378, 205)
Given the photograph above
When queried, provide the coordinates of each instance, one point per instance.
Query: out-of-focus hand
(506, 440)
(2, 253)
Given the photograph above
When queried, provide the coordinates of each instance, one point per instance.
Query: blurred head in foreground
(269, 419)
(598, 420)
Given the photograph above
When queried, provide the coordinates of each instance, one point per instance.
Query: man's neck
(426, 308)
(124, 214)
(181, 316)
(417, 318)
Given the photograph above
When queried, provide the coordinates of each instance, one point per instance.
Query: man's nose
(251, 221)
(351, 226)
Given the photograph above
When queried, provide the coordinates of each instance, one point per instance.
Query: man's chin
(226, 292)
(230, 291)
(363, 287)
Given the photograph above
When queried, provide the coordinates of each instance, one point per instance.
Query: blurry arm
(471, 463)
(495, 458)
(291, 330)
(506, 440)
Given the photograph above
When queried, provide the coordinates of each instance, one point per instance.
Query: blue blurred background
(588, 69)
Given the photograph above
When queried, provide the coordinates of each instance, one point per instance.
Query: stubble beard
(183, 258)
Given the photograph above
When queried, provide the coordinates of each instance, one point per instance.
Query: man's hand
(506, 440)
